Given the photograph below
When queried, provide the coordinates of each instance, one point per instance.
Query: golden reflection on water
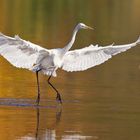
(100, 103)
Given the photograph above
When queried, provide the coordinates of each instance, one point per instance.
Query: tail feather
(49, 72)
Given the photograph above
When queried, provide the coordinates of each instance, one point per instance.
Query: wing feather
(20, 53)
(82, 59)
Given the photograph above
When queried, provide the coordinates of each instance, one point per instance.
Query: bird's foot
(58, 98)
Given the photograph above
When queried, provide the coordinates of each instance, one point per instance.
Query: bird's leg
(58, 97)
(38, 89)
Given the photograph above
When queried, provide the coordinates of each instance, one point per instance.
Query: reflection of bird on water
(37, 122)
(57, 120)
(24, 54)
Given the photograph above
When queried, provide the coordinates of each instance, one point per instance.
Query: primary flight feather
(24, 54)
(82, 59)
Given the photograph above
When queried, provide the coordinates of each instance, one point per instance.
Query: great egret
(24, 54)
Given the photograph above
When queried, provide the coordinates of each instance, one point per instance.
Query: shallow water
(102, 103)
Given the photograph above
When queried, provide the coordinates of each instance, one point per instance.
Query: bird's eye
(82, 26)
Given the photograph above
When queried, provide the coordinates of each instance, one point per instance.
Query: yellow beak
(88, 27)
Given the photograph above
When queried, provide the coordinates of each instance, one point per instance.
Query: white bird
(24, 54)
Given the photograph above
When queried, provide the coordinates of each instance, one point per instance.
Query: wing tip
(138, 40)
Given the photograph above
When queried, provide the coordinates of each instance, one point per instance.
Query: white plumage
(82, 59)
(24, 54)
(20, 53)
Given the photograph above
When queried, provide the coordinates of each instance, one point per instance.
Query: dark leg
(38, 88)
(58, 97)
(37, 123)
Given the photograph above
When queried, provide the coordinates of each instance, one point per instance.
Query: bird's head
(83, 26)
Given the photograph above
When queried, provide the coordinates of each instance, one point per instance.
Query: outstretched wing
(82, 59)
(20, 53)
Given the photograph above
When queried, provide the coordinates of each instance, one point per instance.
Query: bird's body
(24, 54)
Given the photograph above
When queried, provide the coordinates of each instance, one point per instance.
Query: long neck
(69, 45)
